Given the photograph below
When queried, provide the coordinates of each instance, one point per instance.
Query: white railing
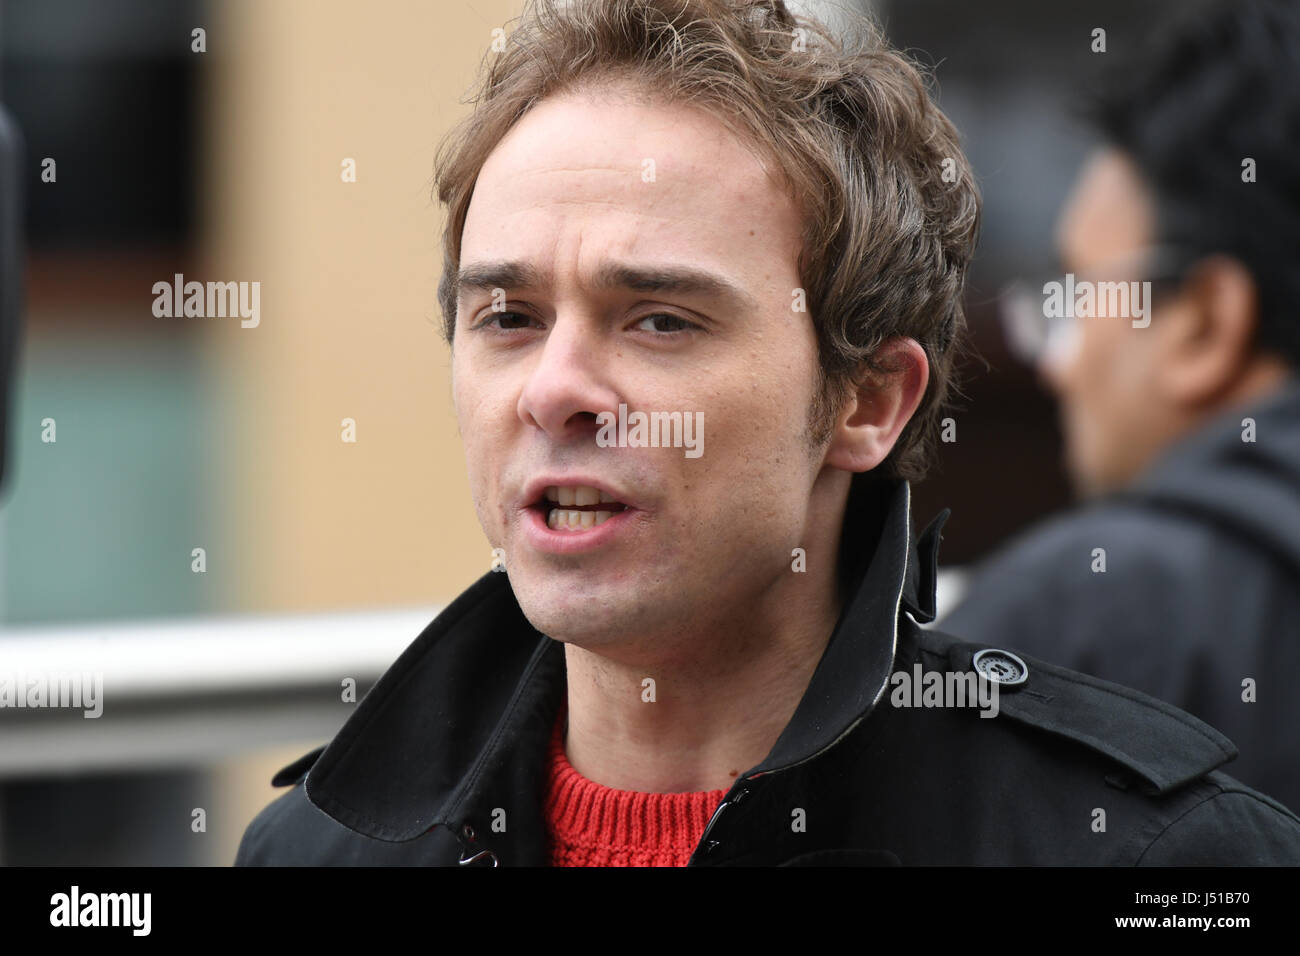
(178, 691)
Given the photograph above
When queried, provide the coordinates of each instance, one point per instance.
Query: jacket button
(1001, 667)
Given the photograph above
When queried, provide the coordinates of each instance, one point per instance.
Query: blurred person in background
(1180, 574)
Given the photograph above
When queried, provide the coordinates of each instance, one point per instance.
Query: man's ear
(1209, 338)
(873, 417)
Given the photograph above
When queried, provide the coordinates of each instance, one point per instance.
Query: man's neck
(697, 719)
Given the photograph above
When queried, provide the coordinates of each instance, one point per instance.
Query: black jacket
(442, 763)
(1201, 589)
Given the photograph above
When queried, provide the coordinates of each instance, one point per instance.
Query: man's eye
(506, 321)
(665, 323)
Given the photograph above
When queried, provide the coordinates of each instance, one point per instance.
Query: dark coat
(1201, 589)
(443, 761)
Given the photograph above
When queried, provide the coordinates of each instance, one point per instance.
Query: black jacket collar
(473, 699)
(1246, 486)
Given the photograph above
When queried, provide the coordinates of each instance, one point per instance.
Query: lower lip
(545, 538)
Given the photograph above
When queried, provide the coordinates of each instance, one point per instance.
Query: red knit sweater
(592, 825)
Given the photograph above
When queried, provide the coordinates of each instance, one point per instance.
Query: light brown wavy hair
(891, 209)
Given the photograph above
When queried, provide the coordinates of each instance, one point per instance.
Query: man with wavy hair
(718, 211)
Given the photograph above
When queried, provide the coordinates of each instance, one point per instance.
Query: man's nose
(569, 385)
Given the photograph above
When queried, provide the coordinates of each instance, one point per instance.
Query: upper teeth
(577, 495)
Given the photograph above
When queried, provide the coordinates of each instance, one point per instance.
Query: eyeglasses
(1039, 317)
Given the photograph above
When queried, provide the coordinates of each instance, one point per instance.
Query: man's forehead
(1109, 212)
(647, 158)
(631, 194)
(589, 131)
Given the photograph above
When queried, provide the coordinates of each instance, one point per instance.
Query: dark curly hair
(1217, 86)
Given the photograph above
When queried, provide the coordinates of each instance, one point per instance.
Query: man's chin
(582, 614)
(1082, 478)
(1090, 483)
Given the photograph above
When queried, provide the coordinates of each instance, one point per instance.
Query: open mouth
(577, 507)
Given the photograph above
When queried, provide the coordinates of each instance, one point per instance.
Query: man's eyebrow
(497, 275)
(682, 280)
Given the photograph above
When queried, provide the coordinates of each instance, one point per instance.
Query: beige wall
(349, 318)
